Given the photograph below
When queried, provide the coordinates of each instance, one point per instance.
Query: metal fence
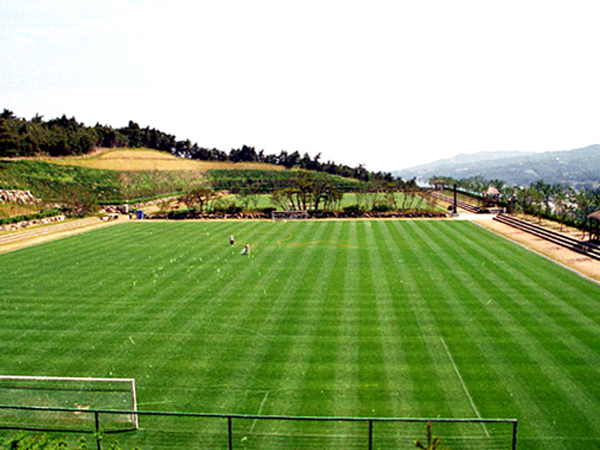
(158, 430)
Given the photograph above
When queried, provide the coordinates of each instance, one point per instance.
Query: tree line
(555, 201)
(309, 191)
(64, 136)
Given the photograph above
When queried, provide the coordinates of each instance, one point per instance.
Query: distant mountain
(579, 168)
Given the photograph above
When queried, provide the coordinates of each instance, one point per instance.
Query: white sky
(386, 83)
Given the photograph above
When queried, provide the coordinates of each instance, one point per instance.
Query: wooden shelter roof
(595, 215)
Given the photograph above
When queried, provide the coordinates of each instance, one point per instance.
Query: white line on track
(259, 410)
(462, 382)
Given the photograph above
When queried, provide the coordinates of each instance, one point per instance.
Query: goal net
(289, 215)
(56, 403)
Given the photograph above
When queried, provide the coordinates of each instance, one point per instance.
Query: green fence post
(98, 437)
(229, 433)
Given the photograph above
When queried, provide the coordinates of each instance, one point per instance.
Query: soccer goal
(74, 398)
(289, 215)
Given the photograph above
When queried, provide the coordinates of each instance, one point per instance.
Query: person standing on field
(231, 240)
(246, 250)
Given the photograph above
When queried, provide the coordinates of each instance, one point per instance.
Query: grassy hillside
(52, 182)
(119, 175)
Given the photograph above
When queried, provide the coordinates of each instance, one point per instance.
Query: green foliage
(23, 441)
(266, 181)
(554, 201)
(352, 209)
(63, 136)
(36, 216)
(433, 442)
(198, 198)
(380, 207)
(55, 183)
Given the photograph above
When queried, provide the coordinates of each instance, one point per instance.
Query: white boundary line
(259, 410)
(42, 378)
(462, 382)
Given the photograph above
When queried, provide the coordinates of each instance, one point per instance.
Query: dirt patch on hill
(141, 160)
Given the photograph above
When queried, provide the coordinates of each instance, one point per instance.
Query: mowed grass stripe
(165, 307)
(346, 359)
(187, 316)
(317, 387)
(414, 332)
(545, 280)
(538, 351)
(550, 324)
(60, 315)
(338, 298)
(326, 318)
(220, 335)
(473, 304)
(440, 320)
(374, 395)
(296, 321)
(273, 356)
(384, 274)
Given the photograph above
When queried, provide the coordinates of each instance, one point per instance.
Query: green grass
(50, 181)
(343, 318)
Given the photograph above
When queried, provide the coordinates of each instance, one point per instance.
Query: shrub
(380, 207)
(352, 209)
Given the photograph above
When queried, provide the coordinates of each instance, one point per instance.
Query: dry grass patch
(129, 160)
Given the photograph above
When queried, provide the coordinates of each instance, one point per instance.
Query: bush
(36, 216)
(352, 209)
(21, 441)
(380, 207)
(268, 210)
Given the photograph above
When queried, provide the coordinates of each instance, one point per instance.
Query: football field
(332, 318)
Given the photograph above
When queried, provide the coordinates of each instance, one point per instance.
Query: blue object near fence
(139, 214)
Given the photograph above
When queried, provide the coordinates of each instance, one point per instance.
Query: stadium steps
(463, 205)
(585, 248)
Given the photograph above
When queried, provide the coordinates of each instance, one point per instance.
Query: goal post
(76, 395)
(289, 215)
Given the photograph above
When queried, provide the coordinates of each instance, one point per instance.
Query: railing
(585, 248)
(464, 205)
(359, 432)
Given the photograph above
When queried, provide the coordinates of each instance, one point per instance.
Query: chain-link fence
(173, 430)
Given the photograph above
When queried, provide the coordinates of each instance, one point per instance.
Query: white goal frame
(131, 381)
(289, 215)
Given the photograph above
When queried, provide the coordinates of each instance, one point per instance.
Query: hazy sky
(388, 84)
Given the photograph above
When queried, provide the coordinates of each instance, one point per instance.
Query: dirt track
(586, 266)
